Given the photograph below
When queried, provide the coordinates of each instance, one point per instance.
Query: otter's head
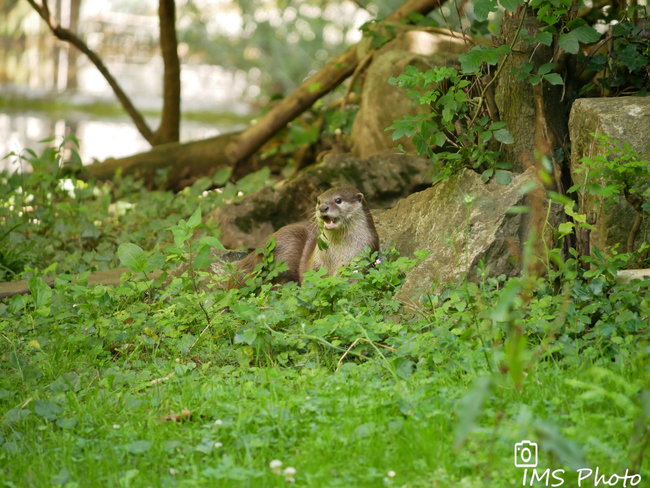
(339, 207)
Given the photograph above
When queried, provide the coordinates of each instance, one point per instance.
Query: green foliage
(49, 217)
(152, 384)
(615, 172)
(627, 63)
(449, 132)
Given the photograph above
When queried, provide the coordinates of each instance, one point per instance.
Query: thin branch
(360, 67)
(69, 36)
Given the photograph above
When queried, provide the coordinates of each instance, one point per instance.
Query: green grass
(335, 379)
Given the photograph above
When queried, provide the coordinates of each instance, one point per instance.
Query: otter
(347, 227)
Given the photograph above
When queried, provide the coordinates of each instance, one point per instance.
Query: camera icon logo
(526, 454)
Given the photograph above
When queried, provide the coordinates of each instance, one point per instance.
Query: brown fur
(345, 210)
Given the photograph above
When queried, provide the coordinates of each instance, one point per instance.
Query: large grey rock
(437, 220)
(383, 179)
(381, 104)
(624, 119)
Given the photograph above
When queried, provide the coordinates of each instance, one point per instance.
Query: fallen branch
(323, 82)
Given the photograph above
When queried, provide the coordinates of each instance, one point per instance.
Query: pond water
(100, 138)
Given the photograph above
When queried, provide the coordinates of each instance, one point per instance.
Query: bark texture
(515, 98)
(169, 130)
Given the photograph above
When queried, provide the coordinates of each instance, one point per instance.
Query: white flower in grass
(288, 474)
(276, 466)
(391, 474)
(173, 471)
(217, 445)
(218, 422)
(116, 426)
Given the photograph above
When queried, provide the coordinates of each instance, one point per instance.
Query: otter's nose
(323, 208)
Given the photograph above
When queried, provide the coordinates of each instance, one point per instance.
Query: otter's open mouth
(330, 222)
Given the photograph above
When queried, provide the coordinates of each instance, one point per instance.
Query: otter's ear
(359, 197)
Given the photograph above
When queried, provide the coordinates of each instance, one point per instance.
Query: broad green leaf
(470, 407)
(195, 219)
(203, 258)
(212, 241)
(510, 5)
(41, 292)
(138, 447)
(586, 34)
(483, 8)
(47, 410)
(133, 257)
(403, 367)
(504, 136)
(487, 174)
(502, 177)
(470, 61)
(566, 228)
(554, 79)
(545, 38)
(506, 301)
(545, 68)
(569, 42)
(222, 176)
(62, 478)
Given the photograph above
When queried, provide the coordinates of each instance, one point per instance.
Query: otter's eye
(338, 201)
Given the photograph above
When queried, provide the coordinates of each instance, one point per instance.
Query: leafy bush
(340, 380)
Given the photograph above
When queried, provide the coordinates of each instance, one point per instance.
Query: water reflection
(99, 138)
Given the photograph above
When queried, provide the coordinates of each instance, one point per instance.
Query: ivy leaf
(133, 257)
(502, 135)
(554, 79)
(631, 57)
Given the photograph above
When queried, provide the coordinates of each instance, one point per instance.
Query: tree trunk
(169, 130)
(72, 83)
(515, 99)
